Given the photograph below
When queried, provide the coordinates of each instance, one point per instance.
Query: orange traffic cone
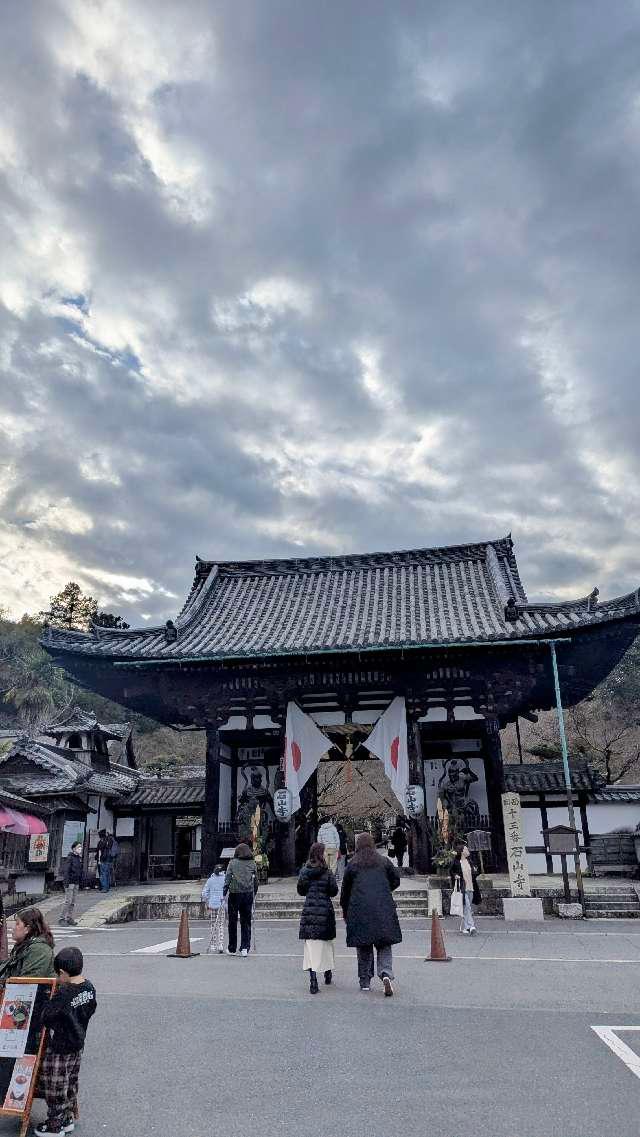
(438, 950)
(183, 947)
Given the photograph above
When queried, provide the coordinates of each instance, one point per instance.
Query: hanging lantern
(414, 801)
(282, 805)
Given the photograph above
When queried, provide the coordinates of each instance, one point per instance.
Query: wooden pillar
(422, 856)
(586, 836)
(495, 786)
(211, 803)
(544, 817)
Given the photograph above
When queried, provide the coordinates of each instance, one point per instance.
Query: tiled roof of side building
(158, 792)
(548, 777)
(443, 596)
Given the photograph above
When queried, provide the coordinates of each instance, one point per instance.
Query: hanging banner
(388, 741)
(304, 746)
(38, 848)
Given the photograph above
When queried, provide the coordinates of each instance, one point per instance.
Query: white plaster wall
(606, 816)
(224, 801)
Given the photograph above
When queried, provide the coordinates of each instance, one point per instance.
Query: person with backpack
(241, 886)
(318, 921)
(106, 854)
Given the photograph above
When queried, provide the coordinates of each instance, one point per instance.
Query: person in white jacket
(328, 835)
(213, 896)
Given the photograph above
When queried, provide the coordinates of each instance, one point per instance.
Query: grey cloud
(454, 192)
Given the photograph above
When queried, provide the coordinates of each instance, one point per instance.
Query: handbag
(456, 907)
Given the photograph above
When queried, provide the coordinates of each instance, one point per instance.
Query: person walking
(329, 837)
(344, 852)
(399, 838)
(72, 878)
(213, 896)
(241, 886)
(104, 859)
(464, 875)
(32, 953)
(370, 911)
(318, 885)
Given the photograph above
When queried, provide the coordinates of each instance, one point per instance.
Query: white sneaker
(70, 1127)
(466, 932)
(244, 951)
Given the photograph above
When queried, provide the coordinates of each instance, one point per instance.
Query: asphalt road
(497, 1042)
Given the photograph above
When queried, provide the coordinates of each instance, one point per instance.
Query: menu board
(21, 1043)
(16, 1011)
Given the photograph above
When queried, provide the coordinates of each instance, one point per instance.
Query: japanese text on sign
(516, 852)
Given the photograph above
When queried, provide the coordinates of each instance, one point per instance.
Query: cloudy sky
(288, 278)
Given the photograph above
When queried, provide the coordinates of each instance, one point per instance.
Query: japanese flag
(304, 746)
(388, 741)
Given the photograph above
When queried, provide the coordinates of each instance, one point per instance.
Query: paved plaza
(497, 1042)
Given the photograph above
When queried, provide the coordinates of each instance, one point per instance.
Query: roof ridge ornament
(592, 600)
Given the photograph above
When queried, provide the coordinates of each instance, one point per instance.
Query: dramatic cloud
(289, 278)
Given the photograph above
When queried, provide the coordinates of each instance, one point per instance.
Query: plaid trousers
(58, 1085)
(217, 919)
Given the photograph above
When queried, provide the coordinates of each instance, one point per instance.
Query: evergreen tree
(71, 609)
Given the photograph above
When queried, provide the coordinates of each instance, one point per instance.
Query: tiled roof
(77, 721)
(61, 773)
(548, 777)
(21, 804)
(166, 792)
(424, 597)
(622, 793)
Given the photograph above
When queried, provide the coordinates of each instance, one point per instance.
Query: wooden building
(73, 778)
(451, 629)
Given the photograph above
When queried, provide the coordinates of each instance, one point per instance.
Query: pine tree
(71, 609)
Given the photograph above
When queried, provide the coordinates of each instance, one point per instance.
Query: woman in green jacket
(32, 953)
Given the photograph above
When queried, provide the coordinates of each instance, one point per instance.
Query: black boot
(328, 977)
(313, 983)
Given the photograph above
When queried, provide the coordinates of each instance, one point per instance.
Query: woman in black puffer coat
(318, 920)
(370, 911)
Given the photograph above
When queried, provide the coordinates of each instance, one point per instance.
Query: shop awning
(24, 824)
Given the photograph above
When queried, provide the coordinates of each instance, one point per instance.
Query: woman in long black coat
(318, 920)
(370, 911)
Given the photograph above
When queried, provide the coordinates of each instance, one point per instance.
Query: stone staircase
(411, 904)
(618, 904)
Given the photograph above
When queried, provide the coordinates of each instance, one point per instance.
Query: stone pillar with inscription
(522, 905)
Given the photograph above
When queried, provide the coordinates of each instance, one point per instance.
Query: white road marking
(609, 1035)
(156, 949)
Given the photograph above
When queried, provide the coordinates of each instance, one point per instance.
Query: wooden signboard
(21, 1044)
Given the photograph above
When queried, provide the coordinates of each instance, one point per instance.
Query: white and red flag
(388, 741)
(304, 746)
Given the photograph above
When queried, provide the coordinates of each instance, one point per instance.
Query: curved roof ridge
(336, 562)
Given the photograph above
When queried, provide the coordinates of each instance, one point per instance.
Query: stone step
(612, 914)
